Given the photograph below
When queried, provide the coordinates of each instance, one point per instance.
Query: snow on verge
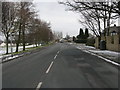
(107, 52)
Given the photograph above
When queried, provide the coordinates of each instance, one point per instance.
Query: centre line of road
(55, 56)
(58, 52)
(39, 86)
(49, 67)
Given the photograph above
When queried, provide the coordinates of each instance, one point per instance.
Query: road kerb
(105, 59)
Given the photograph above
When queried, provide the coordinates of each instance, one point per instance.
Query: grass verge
(31, 49)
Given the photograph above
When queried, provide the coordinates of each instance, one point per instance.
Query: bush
(81, 41)
(90, 42)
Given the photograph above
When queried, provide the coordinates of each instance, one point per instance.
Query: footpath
(107, 55)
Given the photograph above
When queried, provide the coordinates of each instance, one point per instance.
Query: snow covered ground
(3, 51)
(98, 51)
(107, 55)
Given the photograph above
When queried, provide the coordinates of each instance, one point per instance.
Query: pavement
(111, 56)
(61, 65)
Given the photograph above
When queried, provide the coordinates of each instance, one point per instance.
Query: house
(112, 40)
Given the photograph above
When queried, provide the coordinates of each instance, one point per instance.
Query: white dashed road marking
(58, 52)
(49, 67)
(55, 56)
(39, 86)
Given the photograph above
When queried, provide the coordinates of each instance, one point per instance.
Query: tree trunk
(99, 41)
(108, 25)
(108, 21)
(99, 26)
(23, 36)
(18, 41)
(36, 44)
(7, 44)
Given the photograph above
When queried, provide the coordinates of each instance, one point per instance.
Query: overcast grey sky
(61, 20)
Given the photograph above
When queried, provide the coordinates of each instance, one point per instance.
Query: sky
(53, 12)
(60, 19)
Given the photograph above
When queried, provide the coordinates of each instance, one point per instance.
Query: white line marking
(58, 52)
(109, 60)
(55, 56)
(49, 67)
(39, 86)
(105, 59)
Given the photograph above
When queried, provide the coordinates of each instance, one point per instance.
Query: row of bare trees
(21, 24)
(96, 16)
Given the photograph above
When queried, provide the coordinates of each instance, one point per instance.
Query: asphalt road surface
(61, 65)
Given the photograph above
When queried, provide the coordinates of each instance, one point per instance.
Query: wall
(96, 42)
(114, 46)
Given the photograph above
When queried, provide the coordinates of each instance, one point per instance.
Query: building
(112, 40)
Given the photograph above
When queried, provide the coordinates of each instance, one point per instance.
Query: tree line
(21, 25)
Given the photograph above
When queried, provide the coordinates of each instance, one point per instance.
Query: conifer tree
(81, 33)
(86, 33)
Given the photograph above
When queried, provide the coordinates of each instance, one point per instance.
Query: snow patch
(106, 52)
(100, 53)
(9, 56)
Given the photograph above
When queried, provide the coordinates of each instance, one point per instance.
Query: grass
(31, 48)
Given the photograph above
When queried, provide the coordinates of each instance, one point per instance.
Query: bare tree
(95, 13)
(40, 32)
(24, 15)
(8, 20)
(58, 35)
(20, 19)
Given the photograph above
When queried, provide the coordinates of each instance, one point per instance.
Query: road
(61, 65)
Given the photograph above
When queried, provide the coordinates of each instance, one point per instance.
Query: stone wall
(96, 42)
(112, 42)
